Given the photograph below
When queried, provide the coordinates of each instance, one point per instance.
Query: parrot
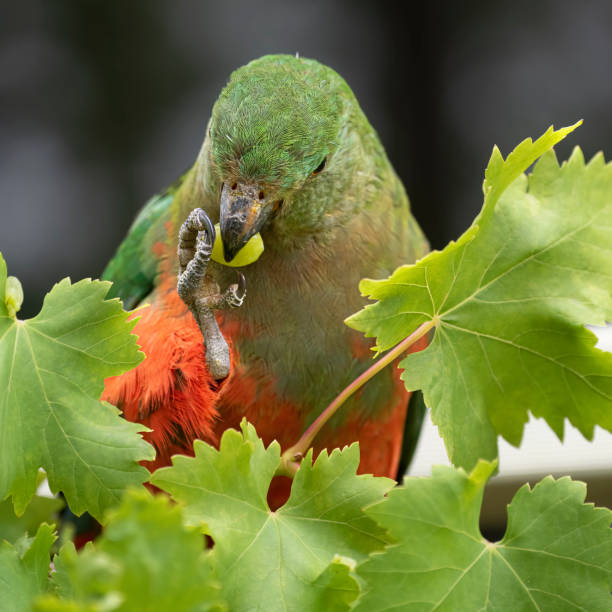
(288, 155)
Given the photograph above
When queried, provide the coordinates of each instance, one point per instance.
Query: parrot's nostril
(262, 195)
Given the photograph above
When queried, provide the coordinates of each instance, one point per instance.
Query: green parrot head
(280, 135)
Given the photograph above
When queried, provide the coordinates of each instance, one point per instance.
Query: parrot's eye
(320, 167)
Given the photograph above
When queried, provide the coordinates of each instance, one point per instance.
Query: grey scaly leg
(201, 293)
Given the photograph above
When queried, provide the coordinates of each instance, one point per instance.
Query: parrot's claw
(235, 293)
(196, 239)
(200, 291)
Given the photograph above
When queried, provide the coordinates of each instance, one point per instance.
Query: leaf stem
(290, 460)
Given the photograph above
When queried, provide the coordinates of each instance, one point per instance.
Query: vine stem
(290, 460)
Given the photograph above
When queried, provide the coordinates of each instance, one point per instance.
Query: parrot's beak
(242, 214)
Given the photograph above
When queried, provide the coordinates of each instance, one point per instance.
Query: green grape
(249, 253)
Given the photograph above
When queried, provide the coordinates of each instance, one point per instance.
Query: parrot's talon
(206, 227)
(201, 293)
(241, 284)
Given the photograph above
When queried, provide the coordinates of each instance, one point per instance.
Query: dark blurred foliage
(103, 103)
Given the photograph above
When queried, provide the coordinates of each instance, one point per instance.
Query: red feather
(171, 391)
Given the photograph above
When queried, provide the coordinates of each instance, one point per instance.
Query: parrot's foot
(193, 260)
(201, 293)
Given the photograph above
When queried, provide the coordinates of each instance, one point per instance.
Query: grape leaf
(52, 371)
(508, 302)
(286, 559)
(24, 569)
(40, 509)
(556, 553)
(146, 559)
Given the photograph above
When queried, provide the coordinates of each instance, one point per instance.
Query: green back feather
(134, 266)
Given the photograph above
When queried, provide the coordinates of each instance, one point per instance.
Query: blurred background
(104, 103)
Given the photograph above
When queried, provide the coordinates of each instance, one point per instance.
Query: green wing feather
(133, 268)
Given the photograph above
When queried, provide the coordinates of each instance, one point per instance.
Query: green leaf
(285, 559)
(53, 369)
(556, 554)
(500, 172)
(145, 560)
(507, 302)
(335, 588)
(48, 603)
(41, 509)
(24, 569)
